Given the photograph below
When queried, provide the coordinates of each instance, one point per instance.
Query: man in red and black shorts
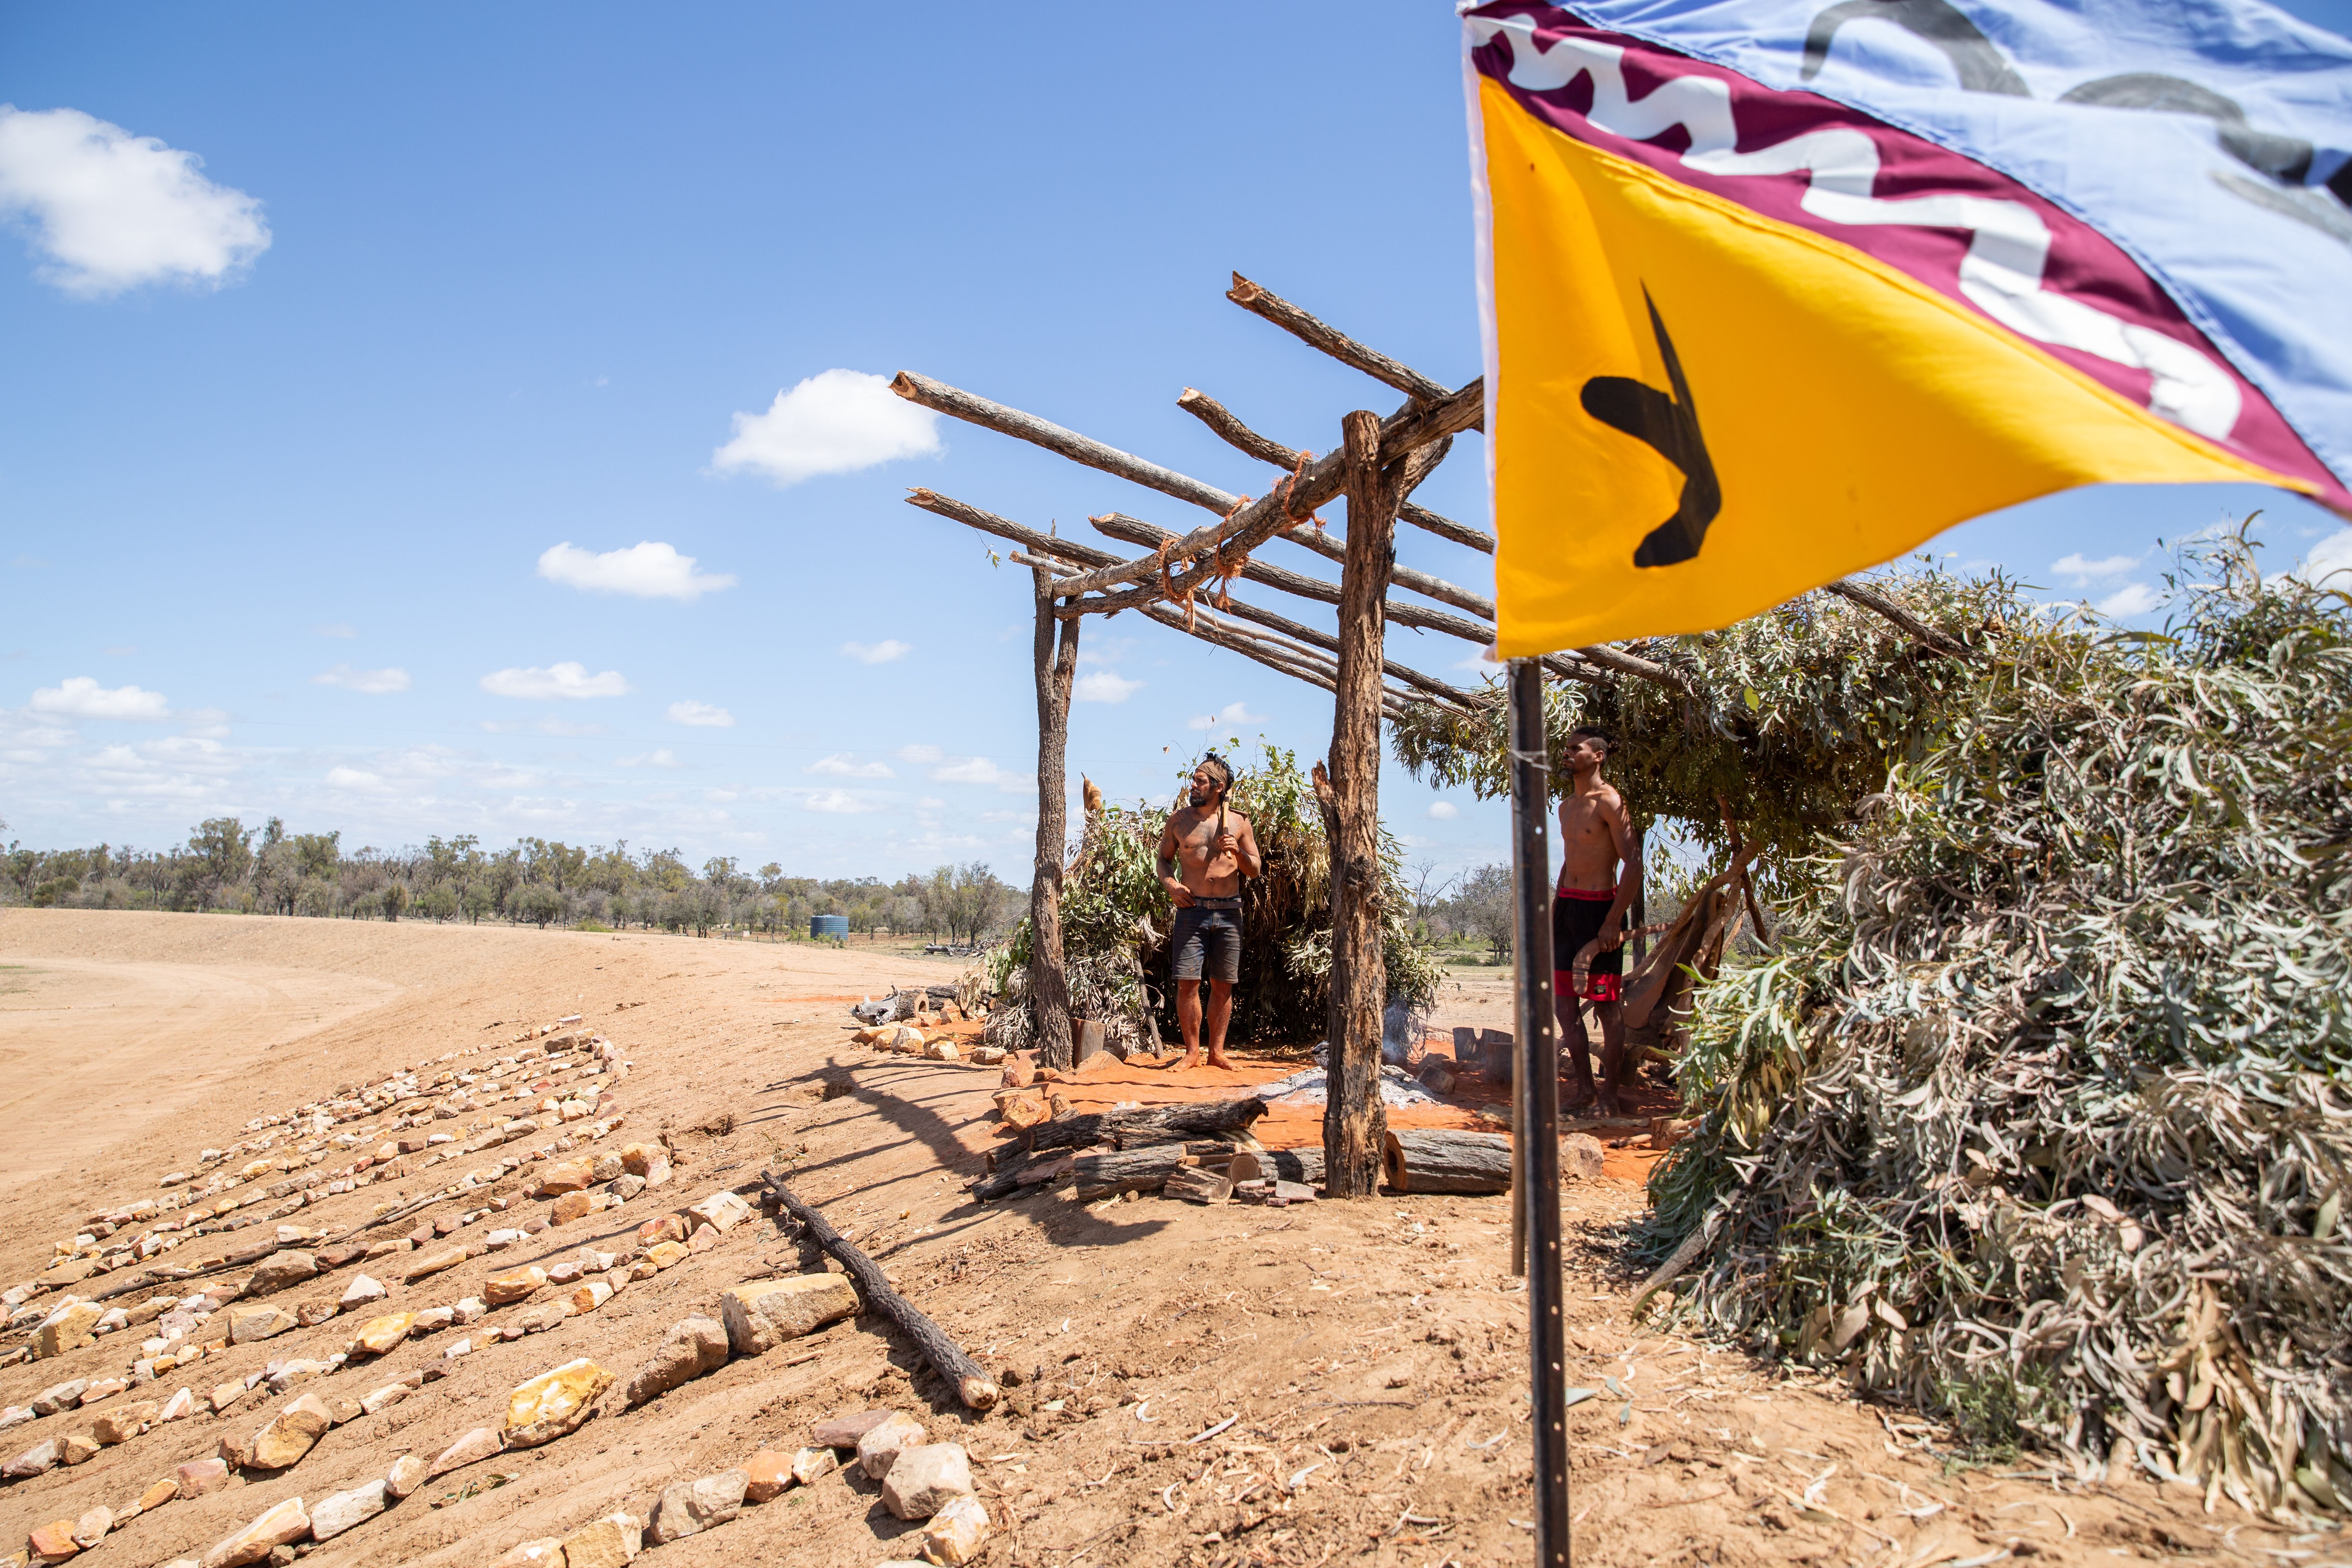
(1597, 877)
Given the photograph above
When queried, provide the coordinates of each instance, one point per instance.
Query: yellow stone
(292, 1433)
(158, 1494)
(380, 1336)
(665, 1254)
(571, 1176)
(70, 1330)
(500, 1289)
(569, 1207)
(434, 1262)
(554, 1403)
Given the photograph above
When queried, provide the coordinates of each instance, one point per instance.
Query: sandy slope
(1372, 1353)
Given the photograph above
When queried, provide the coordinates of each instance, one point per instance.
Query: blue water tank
(822, 926)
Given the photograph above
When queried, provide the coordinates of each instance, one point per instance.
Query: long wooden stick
(1243, 527)
(972, 1385)
(1584, 664)
(1329, 340)
(1219, 419)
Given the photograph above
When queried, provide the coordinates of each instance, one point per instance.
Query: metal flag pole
(1534, 1104)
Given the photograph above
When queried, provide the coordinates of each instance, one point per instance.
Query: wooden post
(1049, 985)
(1355, 1124)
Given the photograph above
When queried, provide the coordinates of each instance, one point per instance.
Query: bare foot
(1609, 1106)
(1191, 1059)
(1217, 1060)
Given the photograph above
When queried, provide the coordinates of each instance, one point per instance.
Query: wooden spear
(972, 1385)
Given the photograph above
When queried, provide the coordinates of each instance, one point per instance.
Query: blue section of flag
(2211, 138)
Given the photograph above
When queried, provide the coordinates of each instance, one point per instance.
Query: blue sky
(285, 540)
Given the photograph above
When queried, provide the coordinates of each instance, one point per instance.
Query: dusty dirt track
(1372, 1353)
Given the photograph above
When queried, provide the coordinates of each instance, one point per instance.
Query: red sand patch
(1106, 1082)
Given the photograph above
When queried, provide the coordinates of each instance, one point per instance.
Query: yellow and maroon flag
(1770, 297)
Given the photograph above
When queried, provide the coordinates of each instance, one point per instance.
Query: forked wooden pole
(1049, 985)
(1354, 1119)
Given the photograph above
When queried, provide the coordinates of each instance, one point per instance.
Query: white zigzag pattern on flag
(2000, 274)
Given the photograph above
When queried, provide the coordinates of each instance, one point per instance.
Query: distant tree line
(226, 865)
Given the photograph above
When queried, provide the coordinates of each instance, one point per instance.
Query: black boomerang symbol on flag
(1669, 423)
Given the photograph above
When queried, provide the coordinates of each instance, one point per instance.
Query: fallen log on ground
(1198, 1117)
(1446, 1160)
(1012, 1178)
(1301, 1165)
(972, 1385)
(1128, 1170)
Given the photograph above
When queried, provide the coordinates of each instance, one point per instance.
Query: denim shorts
(1208, 944)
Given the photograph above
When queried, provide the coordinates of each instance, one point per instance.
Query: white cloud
(2131, 599)
(980, 771)
(353, 778)
(373, 682)
(2082, 573)
(833, 423)
(1232, 714)
(82, 696)
(701, 715)
(661, 759)
(2329, 564)
(878, 653)
(838, 802)
(1443, 810)
(649, 569)
(1102, 686)
(566, 679)
(920, 755)
(840, 766)
(109, 210)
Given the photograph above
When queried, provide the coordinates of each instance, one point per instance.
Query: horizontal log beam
(1461, 696)
(1918, 630)
(974, 409)
(1241, 438)
(1327, 339)
(1062, 550)
(1575, 666)
(1245, 528)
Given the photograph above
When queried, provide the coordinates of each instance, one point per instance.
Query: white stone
(923, 1480)
(359, 1293)
(333, 1515)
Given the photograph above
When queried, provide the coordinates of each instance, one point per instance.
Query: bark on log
(1301, 1165)
(1128, 1171)
(1329, 340)
(1199, 1117)
(1354, 1117)
(1049, 985)
(972, 1385)
(1445, 1160)
(1241, 437)
(1017, 1177)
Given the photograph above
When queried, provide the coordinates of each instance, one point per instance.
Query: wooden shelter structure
(1184, 581)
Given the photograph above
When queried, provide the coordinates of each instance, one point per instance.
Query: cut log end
(1437, 1160)
(1243, 291)
(903, 385)
(977, 1392)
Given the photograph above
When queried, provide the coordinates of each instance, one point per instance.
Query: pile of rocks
(930, 1482)
(583, 1284)
(758, 1317)
(567, 1077)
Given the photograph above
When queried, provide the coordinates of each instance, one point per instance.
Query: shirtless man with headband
(1216, 850)
(1592, 897)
